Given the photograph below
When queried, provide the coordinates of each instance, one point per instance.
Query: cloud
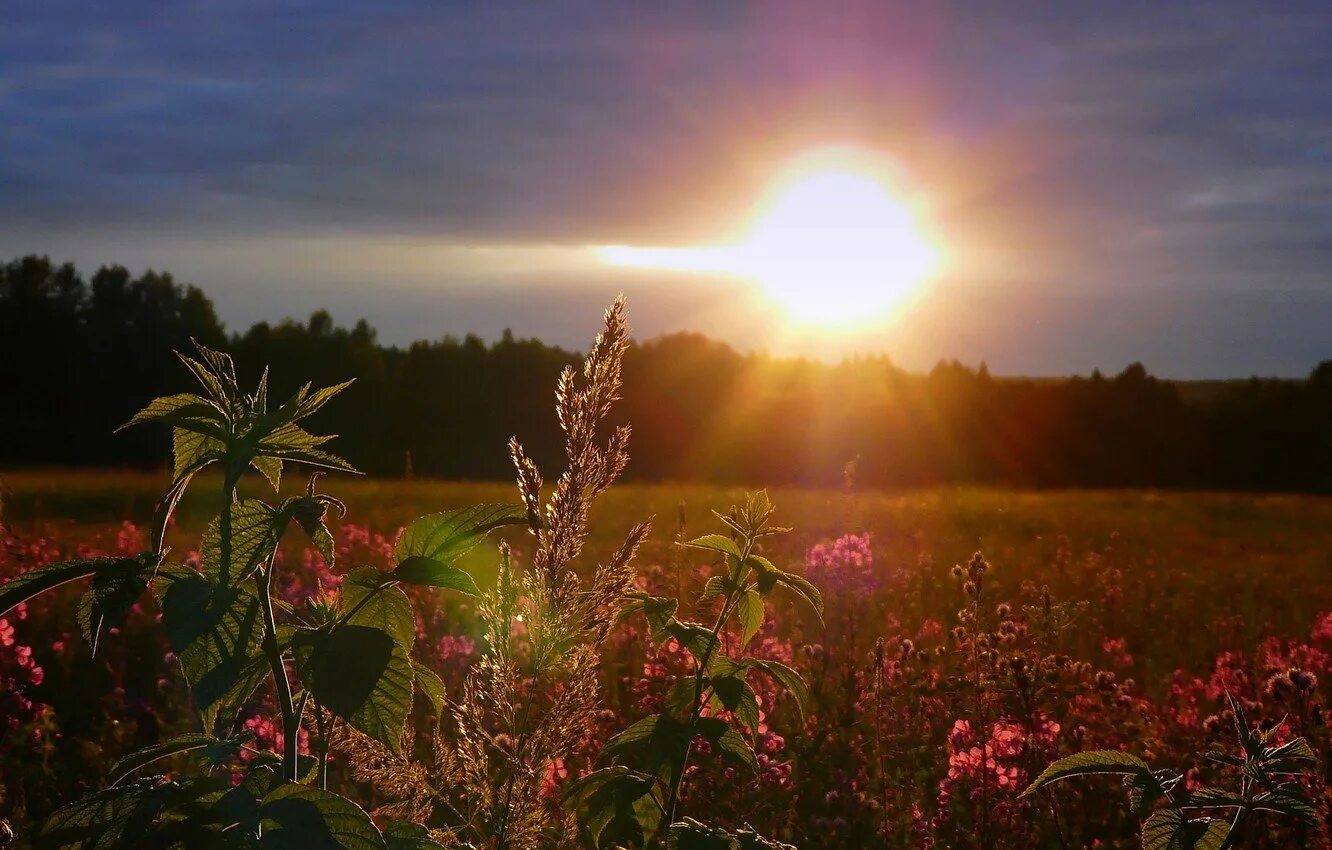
(1088, 148)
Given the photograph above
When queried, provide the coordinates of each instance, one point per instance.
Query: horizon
(1092, 188)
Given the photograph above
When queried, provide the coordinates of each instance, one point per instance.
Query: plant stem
(700, 666)
(290, 721)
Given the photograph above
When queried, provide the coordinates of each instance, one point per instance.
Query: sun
(831, 243)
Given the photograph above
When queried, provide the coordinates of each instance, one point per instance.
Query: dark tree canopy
(78, 357)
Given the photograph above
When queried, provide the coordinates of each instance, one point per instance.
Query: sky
(1107, 182)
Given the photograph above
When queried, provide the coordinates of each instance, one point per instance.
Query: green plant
(533, 694)
(1175, 817)
(638, 797)
(351, 654)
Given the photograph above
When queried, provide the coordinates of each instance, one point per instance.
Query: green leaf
(749, 611)
(104, 819)
(28, 584)
(427, 572)
(1094, 763)
(805, 590)
(1296, 748)
(681, 697)
(445, 537)
(1216, 798)
(163, 749)
(716, 543)
(788, 679)
(1288, 799)
(430, 686)
(635, 733)
(715, 588)
(689, 834)
(617, 804)
(215, 631)
(694, 637)
(401, 835)
(270, 468)
(361, 674)
(167, 506)
(301, 817)
(736, 696)
(657, 609)
(1169, 829)
(183, 407)
(192, 451)
(291, 442)
(254, 535)
(377, 606)
(1252, 745)
(311, 513)
(116, 587)
(730, 743)
(319, 398)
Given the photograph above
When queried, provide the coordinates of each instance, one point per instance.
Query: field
(1162, 602)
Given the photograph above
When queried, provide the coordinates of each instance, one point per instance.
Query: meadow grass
(1261, 559)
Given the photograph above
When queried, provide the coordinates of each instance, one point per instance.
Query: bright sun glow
(832, 245)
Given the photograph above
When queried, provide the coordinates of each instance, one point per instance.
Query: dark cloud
(1158, 149)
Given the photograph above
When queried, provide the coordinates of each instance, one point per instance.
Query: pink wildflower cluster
(844, 567)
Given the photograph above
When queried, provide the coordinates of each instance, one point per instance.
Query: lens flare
(833, 245)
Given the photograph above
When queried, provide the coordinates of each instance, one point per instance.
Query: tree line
(78, 356)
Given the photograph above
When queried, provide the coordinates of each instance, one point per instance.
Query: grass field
(1261, 560)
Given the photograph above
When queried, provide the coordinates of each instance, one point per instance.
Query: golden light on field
(831, 243)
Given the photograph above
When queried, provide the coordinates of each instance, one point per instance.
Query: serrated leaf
(430, 685)
(635, 733)
(611, 800)
(736, 696)
(1296, 748)
(28, 584)
(376, 606)
(1093, 763)
(215, 631)
(657, 609)
(191, 450)
(681, 698)
(401, 835)
(447, 536)
(714, 588)
(310, 457)
(1216, 798)
(694, 637)
(302, 817)
(116, 586)
(270, 468)
(182, 407)
(730, 743)
(361, 674)
(715, 543)
(789, 679)
(1289, 799)
(689, 834)
(311, 513)
(749, 612)
(254, 537)
(1169, 829)
(161, 750)
(102, 819)
(427, 572)
(312, 401)
(1250, 742)
(805, 590)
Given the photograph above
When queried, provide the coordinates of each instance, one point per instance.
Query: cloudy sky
(1108, 182)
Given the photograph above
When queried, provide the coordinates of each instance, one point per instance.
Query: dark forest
(79, 355)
